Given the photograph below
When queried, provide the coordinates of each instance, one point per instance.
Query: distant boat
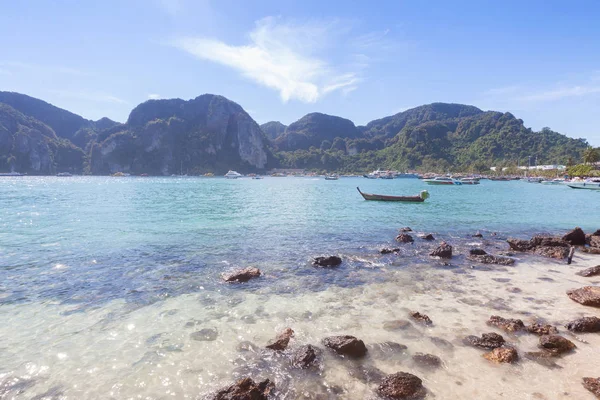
(440, 180)
(409, 199)
(469, 181)
(590, 184)
(534, 180)
(10, 174)
(370, 176)
(557, 181)
(257, 177)
(63, 174)
(332, 177)
(120, 174)
(232, 175)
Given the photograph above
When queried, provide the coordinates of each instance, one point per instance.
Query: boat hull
(585, 185)
(380, 197)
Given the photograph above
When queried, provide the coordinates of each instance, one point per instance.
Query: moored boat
(469, 181)
(408, 199)
(332, 177)
(232, 174)
(556, 181)
(590, 184)
(441, 180)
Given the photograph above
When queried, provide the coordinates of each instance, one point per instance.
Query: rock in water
(205, 335)
(405, 229)
(305, 357)
(397, 325)
(404, 238)
(477, 252)
(575, 238)
(429, 236)
(593, 271)
(585, 324)
(401, 385)
(593, 385)
(507, 325)
(595, 241)
(427, 360)
(246, 389)
(443, 251)
(243, 275)
(587, 295)
(346, 345)
(282, 340)
(543, 245)
(422, 318)
(477, 235)
(556, 344)
(541, 329)
(328, 261)
(487, 341)
(502, 355)
(389, 251)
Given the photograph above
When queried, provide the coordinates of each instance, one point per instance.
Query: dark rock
(593, 385)
(595, 241)
(502, 355)
(205, 335)
(541, 329)
(591, 250)
(329, 261)
(386, 349)
(552, 252)
(404, 238)
(346, 345)
(246, 389)
(397, 325)
(444, 250)
(305, 356)
(389, 251)
(401, 385)
(506, 324)
(441, 343)
(405, 229)
(593, 271)
(366, 373)
(487, 341)
(575, 238)
(546, 246)
(427, 360)
(585, 324)
(429, 236)
(556, 344)
(282, 340)
(243, 275)
(587, 295)
(542, 358)
(491, 259)
(477, 235)
(477, 252)
(422, 318)
(520, 245)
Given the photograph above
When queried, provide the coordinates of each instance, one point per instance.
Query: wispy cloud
(561, 93)
(17, 66)
(281, 56)
(154, 96)
(90, 96)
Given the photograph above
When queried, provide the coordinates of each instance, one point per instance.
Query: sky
(280, 60)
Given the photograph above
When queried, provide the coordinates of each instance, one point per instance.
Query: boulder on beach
(587, 295)
(346, 345)
(593, 385)
(490, 259)
(541, 329)
(556, 344)
(243, 275)
(488, 341)
(305, 356)
(427, 360)
(422, 318)
(592, 271)
(595, 241)
(502, 355)
(428, 236)
(444, 250)
(506, 324)
(546, 246)
(282, 340)
(389, 251)
(401, 385)
(327, 261)
(404, 238)
(584, 324)
(575, 238)
(591, 250)
(246, 389)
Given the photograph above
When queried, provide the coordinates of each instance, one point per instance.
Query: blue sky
(280, 60)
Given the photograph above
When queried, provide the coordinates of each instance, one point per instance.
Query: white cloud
(280, 56)
(90, 96)
(560, 93)
(154, 96)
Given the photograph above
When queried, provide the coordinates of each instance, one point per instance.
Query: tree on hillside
(591, 155)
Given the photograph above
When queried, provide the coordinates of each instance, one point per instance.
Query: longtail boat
(410, 199)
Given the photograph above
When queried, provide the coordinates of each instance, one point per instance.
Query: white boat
(469, 181)
(556, 181)
(332, 177)
(232, 175)
(440, 180)
(591, 184)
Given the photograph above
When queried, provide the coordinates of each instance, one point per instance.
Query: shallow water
(103, 280)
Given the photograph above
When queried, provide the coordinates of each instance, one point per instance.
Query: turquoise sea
(74, 247)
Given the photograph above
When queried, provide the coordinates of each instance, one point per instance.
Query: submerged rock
(487, 341)
(422, 318)
(428, 236)
(397, 325)
(477, 235)
(491, 259)
(593, 385)
(427, 360)
(587, 295)
(477, 252)
(556, 344)
(541, 329)
(405, 229)
(404, 238)
(305, 357)
(401, 385)
(346, 345)
(205, 335)
(576, 237)
(246, 389)
(444, 250)
(506, 324)
(542, 358)
(502, 355)
(389, 251)
(327, 261)
(585, 324)
(592, 271)
(243, 275)
(366, 373)
(282, 340)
